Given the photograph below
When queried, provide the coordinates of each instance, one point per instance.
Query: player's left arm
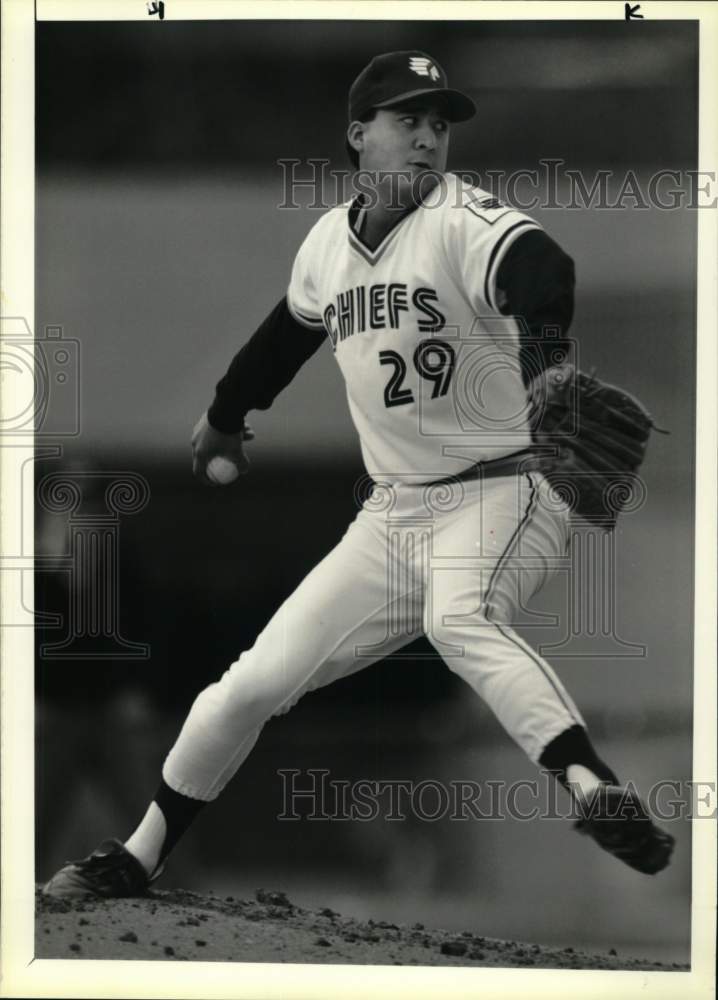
(505, 263)
(535, 282)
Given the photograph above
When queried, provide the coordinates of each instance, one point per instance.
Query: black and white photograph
(358, 444)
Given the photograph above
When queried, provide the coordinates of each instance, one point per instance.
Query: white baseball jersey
(434, 384)
(430, 364)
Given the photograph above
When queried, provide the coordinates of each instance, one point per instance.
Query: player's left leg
(492, 553)
(505, 541)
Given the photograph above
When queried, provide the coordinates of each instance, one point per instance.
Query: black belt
(507, 465)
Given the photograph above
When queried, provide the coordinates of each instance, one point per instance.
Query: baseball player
(433, 296)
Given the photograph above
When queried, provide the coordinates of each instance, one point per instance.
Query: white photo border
(22, 975)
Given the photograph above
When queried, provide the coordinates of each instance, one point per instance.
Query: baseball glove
(590, 439)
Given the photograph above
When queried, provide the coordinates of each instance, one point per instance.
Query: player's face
(405, 141)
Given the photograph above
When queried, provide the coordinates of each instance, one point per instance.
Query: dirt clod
(454, 948)
(272, 897)
(129, 936)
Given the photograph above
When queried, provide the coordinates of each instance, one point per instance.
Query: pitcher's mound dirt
(176, 925)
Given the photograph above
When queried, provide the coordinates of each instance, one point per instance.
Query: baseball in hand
(221, 471)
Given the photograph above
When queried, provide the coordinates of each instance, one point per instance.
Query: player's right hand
(208, 443)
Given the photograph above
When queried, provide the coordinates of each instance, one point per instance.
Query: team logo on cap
(423, 67)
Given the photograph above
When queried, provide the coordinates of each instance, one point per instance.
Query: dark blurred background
(159, 248)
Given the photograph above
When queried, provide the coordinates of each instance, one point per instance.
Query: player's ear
(355, 136)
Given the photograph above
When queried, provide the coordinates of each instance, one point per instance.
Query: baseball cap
(395, 77)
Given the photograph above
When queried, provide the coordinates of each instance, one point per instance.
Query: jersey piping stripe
(523, 523)
(373, 256)
(357, 243)
(502, 244)
(303, 318)
(530, 506)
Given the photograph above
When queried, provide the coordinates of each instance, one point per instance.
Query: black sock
(178, 811)
(574, 747)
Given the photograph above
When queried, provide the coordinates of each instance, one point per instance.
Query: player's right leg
(341, 618)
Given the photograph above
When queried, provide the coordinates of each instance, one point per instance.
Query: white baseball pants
(454, 561)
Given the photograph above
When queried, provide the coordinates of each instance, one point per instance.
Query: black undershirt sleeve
(535, 281)
(262, 368)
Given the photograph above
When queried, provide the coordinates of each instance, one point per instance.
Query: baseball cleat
(110, 872)
(619, 823)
